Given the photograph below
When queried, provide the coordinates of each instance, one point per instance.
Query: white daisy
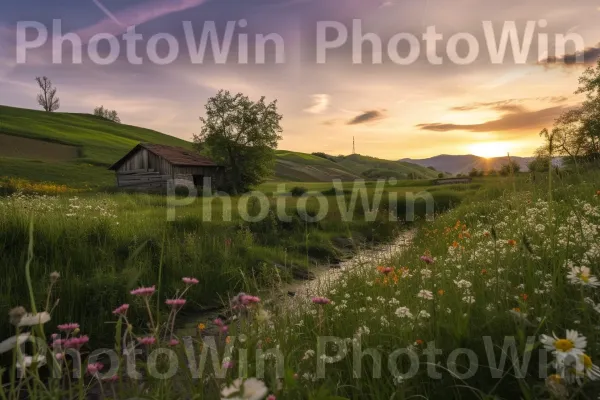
(582, 276)
(13, 342)
(249, 389)
(404, 312)
(576, 370)
(425, 294)
(573, 345)
(34, 319)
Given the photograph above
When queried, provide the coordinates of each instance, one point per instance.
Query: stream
(324, 275)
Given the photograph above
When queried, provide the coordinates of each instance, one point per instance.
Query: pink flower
(76, 342)
(271, 397)
(224, 329)
(121, 310)
(68, 327)
(386, 270)
(218, 322)
(427, 259)
(94, 368)
(190, 281)
(144, 291)
(321, 300)
(148, 340)
(228, 364)
(173, 342)
(175, 303)
(247, 299)
(59, 356)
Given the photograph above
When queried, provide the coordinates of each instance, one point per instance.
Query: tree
(47, 98)
(241, 135)
(474, 173)
(441, 175)
(512, 167)
(105, 113)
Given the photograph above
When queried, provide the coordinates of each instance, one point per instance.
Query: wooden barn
(148, 167)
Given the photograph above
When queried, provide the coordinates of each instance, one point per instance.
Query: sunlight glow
(490, 149)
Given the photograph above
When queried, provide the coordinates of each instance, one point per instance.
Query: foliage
(105, 113)
(298, 191)
(510, 168)
(325, 156)
(241, 135)
(47, 98)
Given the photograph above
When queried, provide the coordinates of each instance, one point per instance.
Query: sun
(489, 149)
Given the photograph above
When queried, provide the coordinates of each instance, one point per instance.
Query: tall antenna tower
(353, 146)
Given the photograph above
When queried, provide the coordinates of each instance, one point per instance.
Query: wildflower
(28, 361)
(572, 345)
(469, 299)
(591, 370)
(54, 277)
(201, 327)
(425, 294)
(418, 342)
(455, 244)
(511, 242)
(524, 296)
(581, 276)
(249, 389)
(190, 281)
(555, 385)
(148, 340)
(426, 259)
(248, 300)
(483, 271)
(13, 342)
(218, 322)
(321, 300)
(441, 292)
(271, 397)
(173, 342)
(16, 314)
(144, 291)
(403, 312)
(308, 354)
(94, 368)
(75, 342)
(486, 234)
(34, 319)
(68, 327)
(423, 314)
(386, 270)
(175, 303)
(121, 310)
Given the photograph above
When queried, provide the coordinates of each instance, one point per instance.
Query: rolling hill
(463, 164)
(77, 149)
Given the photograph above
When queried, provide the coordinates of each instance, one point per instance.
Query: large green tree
(241, 135)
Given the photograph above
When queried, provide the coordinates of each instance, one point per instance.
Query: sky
(383, 86)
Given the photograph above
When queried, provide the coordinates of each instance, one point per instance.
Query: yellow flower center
(555, 378)
(584, 277)
(587, 361)
(564, 345)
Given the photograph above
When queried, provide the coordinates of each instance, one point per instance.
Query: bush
(298, 191)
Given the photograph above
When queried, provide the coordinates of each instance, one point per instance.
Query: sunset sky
(393, 111)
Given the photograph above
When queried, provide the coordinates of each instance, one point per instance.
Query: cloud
(367, 116)
(507, 106)
(583, 58)
(522, 119)
(320, 103)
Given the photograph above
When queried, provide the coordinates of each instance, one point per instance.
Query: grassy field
(105, 244)
(99, 143)
(467, 311)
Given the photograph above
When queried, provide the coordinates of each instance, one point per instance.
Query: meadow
(105, 244)
(505, 272)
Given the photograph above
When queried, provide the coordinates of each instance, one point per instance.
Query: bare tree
(47, 99)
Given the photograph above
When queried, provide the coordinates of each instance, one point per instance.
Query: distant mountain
(464, 164)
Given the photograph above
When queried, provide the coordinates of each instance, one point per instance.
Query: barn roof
(177, 156)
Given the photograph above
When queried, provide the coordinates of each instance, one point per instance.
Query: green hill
(77, 149)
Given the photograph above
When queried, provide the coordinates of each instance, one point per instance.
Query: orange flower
(460, 235)
(464, 227)
(441, 292)
(524, 296)
(483, 271)
(419, 342)
(511, 242)
(597, 192)
(517, 309)
(455, 244)
(201, 326)
(228, 339)
(486, 234)
(467, 235)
